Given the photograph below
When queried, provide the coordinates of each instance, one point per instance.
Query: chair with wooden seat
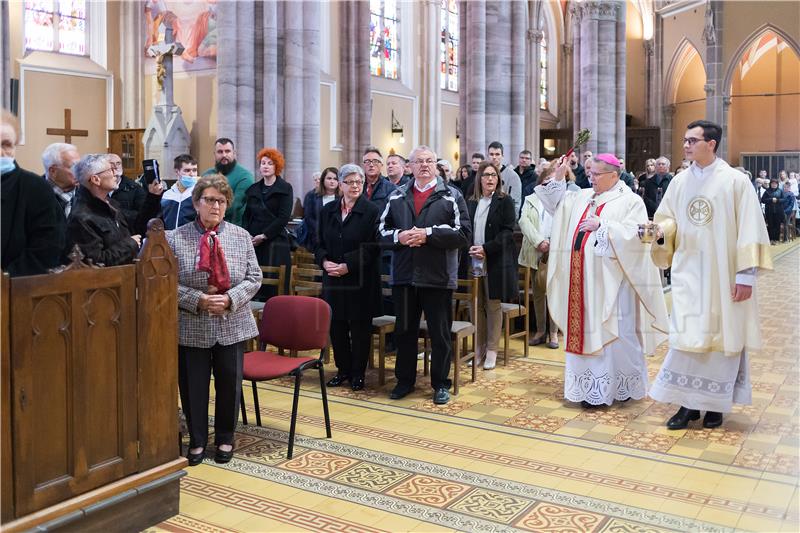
(522, 309)
(382, 326)
(293, 323)
(460, 332)
(306, 281)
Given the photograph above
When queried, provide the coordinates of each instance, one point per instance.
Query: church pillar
(712, 36)
(650, 81)
(5, 60)
(131, 66)
(565, 96)
(356, 105)
(722, 151)
(668, 113)
(534, 74)
(600, 74)
(430, 95)
(494, 107)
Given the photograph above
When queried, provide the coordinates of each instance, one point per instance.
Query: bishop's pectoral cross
(67, 130)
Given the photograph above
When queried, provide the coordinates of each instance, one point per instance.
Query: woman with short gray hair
(348, 253)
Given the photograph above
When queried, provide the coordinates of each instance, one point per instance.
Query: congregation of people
(596, 284)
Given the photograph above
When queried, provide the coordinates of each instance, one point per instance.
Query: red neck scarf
(211, 259)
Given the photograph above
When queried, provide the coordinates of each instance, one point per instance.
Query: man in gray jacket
(512, 185)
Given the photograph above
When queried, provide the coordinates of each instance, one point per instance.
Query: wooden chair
(511, 311)
(306, 281)
(303, 258)
(382, 326)
(294, 323)
(274, 276)
(460, 332)
(789, 228)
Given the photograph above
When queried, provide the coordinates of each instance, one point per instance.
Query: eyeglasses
(375, 162)
(104, 171)
(214, 201)
(596, 174)
(424, 161)
(691, 141)
(115, 164)
(489, 174)
(353, 183)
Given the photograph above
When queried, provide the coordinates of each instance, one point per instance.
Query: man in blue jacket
(377, 187)
(176, 204)
(424, 223)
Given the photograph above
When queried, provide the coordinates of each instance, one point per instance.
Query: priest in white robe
(712, 233)
(603, 291)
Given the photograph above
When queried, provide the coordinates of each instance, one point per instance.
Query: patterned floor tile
(268, 451)
(509, 401)
(370, 476)
(537, 422)
(318, 464)
(547, 518)
(491, 505)
(645, 441)
(429, 490)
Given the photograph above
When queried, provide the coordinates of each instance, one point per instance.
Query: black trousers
(774, 221)
(409, 304)
(194, 376)
(351, 341)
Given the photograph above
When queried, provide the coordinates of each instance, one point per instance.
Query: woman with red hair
(268, 208)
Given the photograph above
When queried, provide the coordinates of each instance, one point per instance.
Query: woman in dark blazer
(268, 208)
(348, 253)
(493, 257)
(327, 191)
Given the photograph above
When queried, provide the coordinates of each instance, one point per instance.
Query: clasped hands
(477, 252)
(413, 237)
(213, 303)
(336, 270)
(590, 223)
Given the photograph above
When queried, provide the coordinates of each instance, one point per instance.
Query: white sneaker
(491, 359)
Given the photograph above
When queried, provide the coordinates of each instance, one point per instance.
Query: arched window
(56, 26)
(384, 53)
(543, 74)
(449, 45)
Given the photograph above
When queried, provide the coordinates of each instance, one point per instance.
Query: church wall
(690, 105)
(449, 142)
(687, 24)
(742, 18)
(404, 108)
(635, 66)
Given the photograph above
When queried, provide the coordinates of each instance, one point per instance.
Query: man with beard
(239, 178)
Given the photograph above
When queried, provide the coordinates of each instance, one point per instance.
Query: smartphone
(151, 172)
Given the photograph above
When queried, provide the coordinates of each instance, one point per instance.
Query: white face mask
(6, 164)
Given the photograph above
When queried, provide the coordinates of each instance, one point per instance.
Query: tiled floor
(510, 453)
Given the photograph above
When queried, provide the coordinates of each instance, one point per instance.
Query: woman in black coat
(494, 258)
(327, 191)
(773, 210)
(348, 253)
(267, 210)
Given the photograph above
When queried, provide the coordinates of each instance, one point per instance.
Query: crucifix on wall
(67, 130)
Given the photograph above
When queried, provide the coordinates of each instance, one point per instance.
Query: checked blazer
(197, 328)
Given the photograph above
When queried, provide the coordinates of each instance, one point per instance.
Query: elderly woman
(535, 224)
(218, 275)
(493, 258)
(773, 209)
(348, 253)
(96, 223)
(268, 208)
(326, 191)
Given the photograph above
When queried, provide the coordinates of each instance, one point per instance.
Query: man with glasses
(95, 224)
(526, 172)
(424, 223)
(711, 232)
(58, 159)
(129, 194)
(603, 292)
(377, 188)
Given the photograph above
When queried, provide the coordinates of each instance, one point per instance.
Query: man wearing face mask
(176, 204)
(130, 195)
(32, 228)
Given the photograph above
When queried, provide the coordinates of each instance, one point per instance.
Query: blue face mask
(6, 164)
(188, 181)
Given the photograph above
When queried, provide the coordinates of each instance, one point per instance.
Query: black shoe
(223, 457)
(712, 419)
(196, 458)
(400, 392)
(681, 419)
(587, 405)
(441, 396)
(357, 384)
(337, 380)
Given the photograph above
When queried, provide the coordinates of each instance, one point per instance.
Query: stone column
(356, 107)
(599, 73)
(722, 151)
(494, 104)
(268, 83)
(565, 94)
(533, 126)
(5, 60)
(712, 36)
(667, 114)
(430, 95)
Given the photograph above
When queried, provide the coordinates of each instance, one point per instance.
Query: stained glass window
(384, 53)
(56, 26)
(543, 74)
(448, 47)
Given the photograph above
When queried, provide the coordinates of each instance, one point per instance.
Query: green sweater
(240, 179)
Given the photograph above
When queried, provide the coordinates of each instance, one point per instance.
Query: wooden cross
(66, 131)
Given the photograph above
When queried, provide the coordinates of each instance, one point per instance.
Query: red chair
(293, 323)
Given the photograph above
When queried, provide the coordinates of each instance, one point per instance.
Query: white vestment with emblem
(624, 314)
(715, 237)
